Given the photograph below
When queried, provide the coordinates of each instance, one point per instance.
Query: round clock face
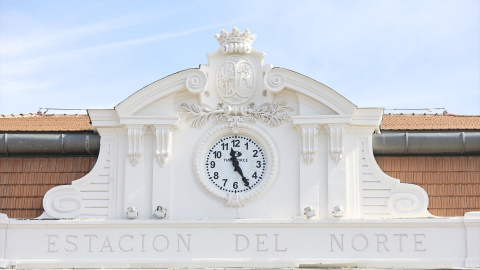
(235, 163)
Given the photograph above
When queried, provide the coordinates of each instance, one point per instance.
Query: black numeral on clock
(217, 154)
(235, 143)
(224, 146)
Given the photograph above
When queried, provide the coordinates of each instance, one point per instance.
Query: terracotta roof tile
(430, 122)
(81, 122)
(45, 122)
(24, 181)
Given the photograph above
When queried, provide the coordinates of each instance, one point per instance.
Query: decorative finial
(235, 41)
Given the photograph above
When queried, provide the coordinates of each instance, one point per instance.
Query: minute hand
(236, 166)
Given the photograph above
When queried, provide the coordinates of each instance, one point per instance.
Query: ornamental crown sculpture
(235, 41)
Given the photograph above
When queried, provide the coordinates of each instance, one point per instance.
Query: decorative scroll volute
(403, 204)
(274, 81)
(197, 81)
(63, 202)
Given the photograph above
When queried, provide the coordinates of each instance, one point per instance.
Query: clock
(235, 163)
(236, 167)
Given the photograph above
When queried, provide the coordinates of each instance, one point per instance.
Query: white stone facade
(151, 201)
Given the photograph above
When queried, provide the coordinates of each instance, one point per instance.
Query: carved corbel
(135, 143)
(163, 143)
(309, 142)
(337, 133)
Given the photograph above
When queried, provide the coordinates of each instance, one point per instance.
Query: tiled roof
(452, 183)
(24, 181)
(45, 122)
(81, 122)
(430, 122)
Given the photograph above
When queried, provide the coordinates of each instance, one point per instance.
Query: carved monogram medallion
(235, 80)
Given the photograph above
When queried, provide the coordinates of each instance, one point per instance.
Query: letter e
(51, 243)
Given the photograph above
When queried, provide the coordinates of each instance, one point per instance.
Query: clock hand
(236, 165)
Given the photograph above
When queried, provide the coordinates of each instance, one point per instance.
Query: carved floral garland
(273, 114)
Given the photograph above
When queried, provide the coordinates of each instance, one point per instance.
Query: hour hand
(236, 165)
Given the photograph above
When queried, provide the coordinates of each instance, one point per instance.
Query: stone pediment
(316, 146)
(237, 164)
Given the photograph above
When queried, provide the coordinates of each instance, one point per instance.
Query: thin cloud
(12, 68)
(42, 39)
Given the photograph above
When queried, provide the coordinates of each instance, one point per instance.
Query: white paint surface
(320, 162)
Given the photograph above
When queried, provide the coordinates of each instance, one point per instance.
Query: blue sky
(94, 54)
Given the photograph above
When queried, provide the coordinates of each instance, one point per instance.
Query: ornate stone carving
(63, 202)
(201, 113)
(135, 144)
(163, 141)
(405, 200)
(235, 42)
(336, 142)
(196, 82)
(236, 199)
(274, 81)
(404, 204)
(273, 114)
(235, 80)
(309, 138)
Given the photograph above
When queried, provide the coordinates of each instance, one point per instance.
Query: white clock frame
(240, 198)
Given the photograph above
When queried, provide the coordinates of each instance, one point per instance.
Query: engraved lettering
(106, 244)
(400, 246)
(120, 243)
(261, 243)
(90, 241)
(143, 242)
(74, 244)
(339, 244)
(365, 240)
(245, 245)
(361, 242)
(382, 242)
(52, 243)
(419, 242)
(185, 244)
(276, 244)
(166, 243)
